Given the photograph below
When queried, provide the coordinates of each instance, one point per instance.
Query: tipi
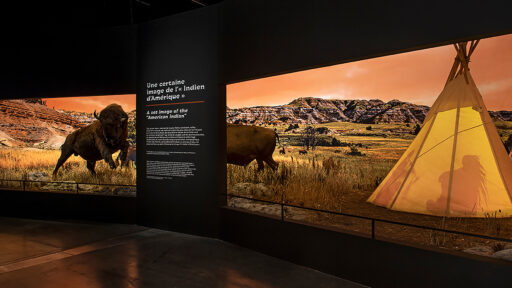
(457, 165)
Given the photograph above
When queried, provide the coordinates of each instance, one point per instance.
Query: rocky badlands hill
(27, 123)
(30, 123)
(317, 110)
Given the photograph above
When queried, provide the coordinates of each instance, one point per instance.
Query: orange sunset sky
(90, 103)
(416, 77)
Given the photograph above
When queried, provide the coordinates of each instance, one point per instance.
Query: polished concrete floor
(36, 253)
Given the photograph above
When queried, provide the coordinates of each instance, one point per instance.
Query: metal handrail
(24, 188)
(373, 220)
(64, 182)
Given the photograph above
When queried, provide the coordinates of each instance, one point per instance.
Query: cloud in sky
(90, 103)
(416, 77)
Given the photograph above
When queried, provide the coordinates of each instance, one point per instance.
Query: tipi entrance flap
(442, 131)
(433, 160)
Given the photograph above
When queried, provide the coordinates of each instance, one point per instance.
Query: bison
(98, 140)
(131, 157)
(246, 143)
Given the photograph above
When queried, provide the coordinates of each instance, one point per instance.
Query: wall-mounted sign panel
(178, 129)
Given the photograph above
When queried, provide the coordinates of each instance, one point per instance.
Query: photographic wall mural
(83, 145)
(417, 138)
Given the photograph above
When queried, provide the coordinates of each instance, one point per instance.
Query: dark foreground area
(63, 254)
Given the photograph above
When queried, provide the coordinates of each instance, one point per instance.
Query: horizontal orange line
(165, 104)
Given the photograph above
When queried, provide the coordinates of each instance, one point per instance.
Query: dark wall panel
(72, 62)
(268, 37)
(67, 206)
(360, 259)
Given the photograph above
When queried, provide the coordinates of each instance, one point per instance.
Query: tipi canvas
(457, 165)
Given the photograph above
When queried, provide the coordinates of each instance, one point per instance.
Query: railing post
(373, 229)
(282, 205)
(23, 184)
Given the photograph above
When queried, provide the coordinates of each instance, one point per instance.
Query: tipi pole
(473, 46)
(452, 163)
(452, 71)
(461, 52)
(414, 161)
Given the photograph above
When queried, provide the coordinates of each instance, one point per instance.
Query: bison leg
(123, 154)
(90, 166)
(64, 155)
(108, 159)
(260, 164)
(101, 145)
(270, 162)
(118, 159)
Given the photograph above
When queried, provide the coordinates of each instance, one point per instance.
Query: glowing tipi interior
(457, 165)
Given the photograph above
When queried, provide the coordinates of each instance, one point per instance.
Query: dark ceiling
(95, 13)
(43, 40)
(120, 12)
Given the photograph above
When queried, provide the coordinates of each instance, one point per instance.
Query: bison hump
(250, 140)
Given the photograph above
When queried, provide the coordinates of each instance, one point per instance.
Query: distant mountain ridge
(310, 110)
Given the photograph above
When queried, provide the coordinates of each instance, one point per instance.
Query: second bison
(98, 140)
(247, 143)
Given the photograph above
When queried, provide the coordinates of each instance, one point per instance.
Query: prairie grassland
(358, 129)
(504, 129)
(18, 163)
(323, 177)
(307, 180)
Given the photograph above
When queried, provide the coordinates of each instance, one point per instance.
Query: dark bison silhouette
(99, 140)
(131, 157)
(246, 143)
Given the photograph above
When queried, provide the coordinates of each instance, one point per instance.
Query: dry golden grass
(303, 180)
(17, 163)
(318, 179)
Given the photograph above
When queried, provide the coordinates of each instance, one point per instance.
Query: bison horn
(96, 115)
(123, 119)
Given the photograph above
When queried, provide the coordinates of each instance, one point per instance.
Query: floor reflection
(130, 256)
